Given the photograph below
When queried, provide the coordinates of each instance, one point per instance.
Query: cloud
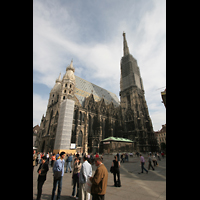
(91, 34)
(39, 108)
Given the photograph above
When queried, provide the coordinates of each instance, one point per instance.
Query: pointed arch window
(80, 137)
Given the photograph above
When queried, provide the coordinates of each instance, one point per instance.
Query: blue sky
(90, 32)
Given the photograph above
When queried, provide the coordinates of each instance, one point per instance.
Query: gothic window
(65, 91)
(56, 117)
(80, 137)
(50, 121)
(66, 85)
(70, 85)
(83, 117)
(63, 97)
(80, 117)
(90, 125)
(53, 95)
(128, 99)
(74, 114)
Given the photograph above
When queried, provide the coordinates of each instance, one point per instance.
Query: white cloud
(60, 35)
(39, 108)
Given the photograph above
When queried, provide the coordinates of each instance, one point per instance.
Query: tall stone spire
(59, 79)
(126, 49)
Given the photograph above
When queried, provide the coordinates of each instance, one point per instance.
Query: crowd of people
(81, 172)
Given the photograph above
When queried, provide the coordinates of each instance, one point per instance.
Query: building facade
(98, 113)
(35, 131)
(161, 138)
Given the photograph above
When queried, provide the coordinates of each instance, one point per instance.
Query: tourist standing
(118, 156)
(58, 172)
(75, 177)
(142, 162)
(47, 157)
(97, 155)
(53, 158)
(86, 171)
(38, 157)
(42, 171)
(116, 165)
(69, 160)
(34, 159)
(99, 181)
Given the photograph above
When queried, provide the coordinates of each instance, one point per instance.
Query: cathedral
(98, 113)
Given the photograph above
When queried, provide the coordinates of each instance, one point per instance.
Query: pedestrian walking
(42, 173)
(75, 177)
(154, 161)
(68, 161)
(99, 181)
(142, 162)
(149, 160)
(116, 165)
(58, 172)
(86, 171)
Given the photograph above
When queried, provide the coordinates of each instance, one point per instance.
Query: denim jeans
(68, 166)
(142, 166)
(55, 182)
(75, 182)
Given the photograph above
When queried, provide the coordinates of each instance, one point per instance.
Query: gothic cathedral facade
(98, 113)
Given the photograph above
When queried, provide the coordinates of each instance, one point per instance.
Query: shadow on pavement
(48, 197)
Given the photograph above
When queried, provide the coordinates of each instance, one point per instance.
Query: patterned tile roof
(85, 88)
(117, 139)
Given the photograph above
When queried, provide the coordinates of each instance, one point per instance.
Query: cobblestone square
(151, 186)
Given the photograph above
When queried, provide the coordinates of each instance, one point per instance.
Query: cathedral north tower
(137, 122)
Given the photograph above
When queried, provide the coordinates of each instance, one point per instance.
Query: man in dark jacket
(42, 170)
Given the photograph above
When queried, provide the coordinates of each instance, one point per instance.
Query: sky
(90, 33)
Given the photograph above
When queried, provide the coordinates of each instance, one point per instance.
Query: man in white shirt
(86, 171)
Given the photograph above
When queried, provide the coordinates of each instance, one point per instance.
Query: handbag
(57, 175)
(88, 185)
(112, 169)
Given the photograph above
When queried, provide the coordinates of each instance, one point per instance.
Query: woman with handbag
(116, 165)
(75, 177)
